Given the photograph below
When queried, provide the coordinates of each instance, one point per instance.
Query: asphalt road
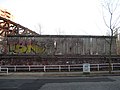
(60, 83)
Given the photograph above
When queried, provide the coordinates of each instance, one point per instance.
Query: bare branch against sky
(111, 13)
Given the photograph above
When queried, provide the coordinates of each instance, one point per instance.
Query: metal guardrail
(4, 70)
(60, 68)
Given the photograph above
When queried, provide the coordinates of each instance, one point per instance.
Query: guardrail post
(59, 68)
(112, 66)
(7, 71)
(14, 68)
(29, 67)
(44, 68)
(98, 67)
(0, 68)
(69, 68)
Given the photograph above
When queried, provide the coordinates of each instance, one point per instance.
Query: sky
(68, 17)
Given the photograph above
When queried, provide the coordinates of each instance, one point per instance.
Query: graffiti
(26, 47)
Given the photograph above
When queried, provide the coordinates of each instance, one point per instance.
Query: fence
(60, 68)
(3, 70)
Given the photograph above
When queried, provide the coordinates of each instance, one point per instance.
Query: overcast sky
(76, 17)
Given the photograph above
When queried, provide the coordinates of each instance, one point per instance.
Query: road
(59, 83)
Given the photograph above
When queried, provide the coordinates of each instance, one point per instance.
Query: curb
(64, 74)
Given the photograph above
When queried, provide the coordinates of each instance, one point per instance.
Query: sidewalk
(60, 74)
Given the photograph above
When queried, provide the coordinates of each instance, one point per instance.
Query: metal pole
(44, 68)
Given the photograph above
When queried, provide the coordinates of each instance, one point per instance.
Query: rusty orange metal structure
(8, 27)
(6, 14)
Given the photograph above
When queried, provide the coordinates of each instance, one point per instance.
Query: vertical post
(112, 66)
(0, 68)
(44, 68)
(7, 71)
(59, 68)
(29, 67)
(98, 67)
(69, 68)
(14, 68)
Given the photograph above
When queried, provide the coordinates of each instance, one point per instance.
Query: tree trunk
(110, 52)
(110, 68)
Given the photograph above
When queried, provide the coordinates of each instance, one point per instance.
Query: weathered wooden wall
(60, 45)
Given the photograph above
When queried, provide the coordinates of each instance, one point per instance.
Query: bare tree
(112, 20)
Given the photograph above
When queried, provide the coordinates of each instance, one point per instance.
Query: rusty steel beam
(8, 27)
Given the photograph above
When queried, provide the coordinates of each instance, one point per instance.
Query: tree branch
(104, 19)
(116, 22)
